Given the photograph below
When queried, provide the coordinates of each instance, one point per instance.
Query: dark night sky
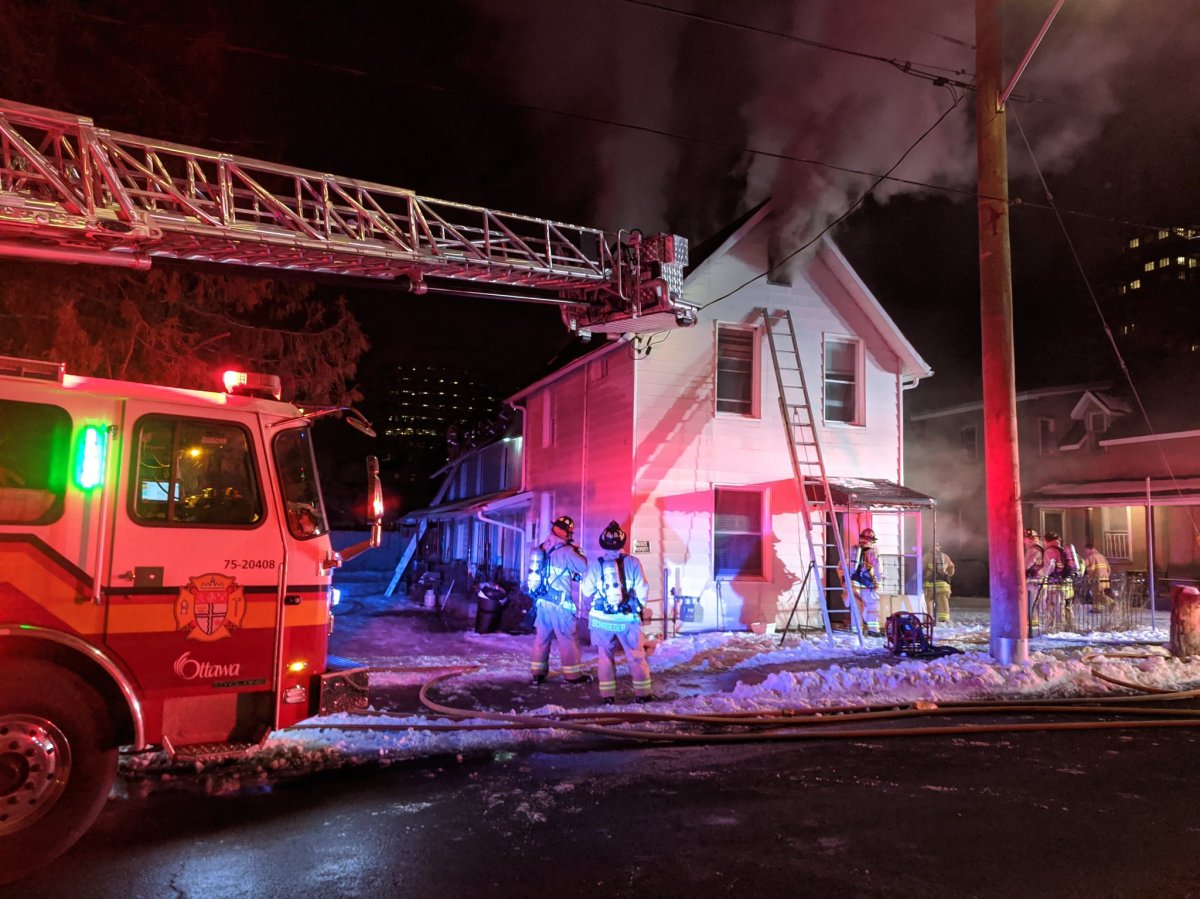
(497, 102)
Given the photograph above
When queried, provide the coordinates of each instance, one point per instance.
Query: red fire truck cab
(165, 568)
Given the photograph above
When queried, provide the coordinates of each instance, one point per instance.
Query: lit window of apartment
(1181, 275)
(737, 533)
(1148, 267)
(1164, 262)
(1135, 284)
(1134, 244)
(737, 366)
(1123, 290)
(843, 397)
(1180, 260)
(1164, 234)
(1046, 444)
(1192, 263)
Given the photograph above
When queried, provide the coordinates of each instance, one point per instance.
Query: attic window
(1046, 444)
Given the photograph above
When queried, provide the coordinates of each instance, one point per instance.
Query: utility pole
(1009, 617)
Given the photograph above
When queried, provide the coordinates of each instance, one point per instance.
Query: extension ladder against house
(808, 467)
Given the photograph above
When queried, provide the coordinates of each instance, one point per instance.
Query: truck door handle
(291, 600)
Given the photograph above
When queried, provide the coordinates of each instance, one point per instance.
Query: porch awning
(1183, 491)
(465, 508)
(872, 493)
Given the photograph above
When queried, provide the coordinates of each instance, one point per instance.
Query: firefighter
(1099, 577)
(1059, 570)
(864, 580)
(1034, 562)
(617, 586)
(938, 570)
(554, 565)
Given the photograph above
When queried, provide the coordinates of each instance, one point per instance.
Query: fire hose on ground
(807, 723)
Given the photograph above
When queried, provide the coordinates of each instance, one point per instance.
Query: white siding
(683, 449)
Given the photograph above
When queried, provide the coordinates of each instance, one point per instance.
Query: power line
(1104, 322)
(674, 135)
(879, 180)
(905, 66)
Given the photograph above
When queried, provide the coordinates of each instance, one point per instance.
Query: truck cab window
(35, 446)
(298, 483)
(190, 472)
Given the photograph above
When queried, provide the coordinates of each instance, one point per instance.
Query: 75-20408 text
(249, 564)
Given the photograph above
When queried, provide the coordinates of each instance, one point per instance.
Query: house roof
(1118, 492)
(872, 493)
(465, 508)
(911, 362)
(720, 243)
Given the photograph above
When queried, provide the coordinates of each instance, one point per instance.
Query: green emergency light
(91, 449)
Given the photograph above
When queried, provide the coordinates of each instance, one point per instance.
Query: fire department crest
(211, 607)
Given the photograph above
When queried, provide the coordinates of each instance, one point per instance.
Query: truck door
(193, 586)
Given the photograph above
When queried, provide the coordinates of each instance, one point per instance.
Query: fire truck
(165, 581)
(165, 559)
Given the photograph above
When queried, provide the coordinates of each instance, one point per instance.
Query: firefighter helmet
(613, 537)
(1051, 537)
(1031, 533)
(866, 535)
(564, 527)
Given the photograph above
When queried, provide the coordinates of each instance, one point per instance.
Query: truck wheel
(58, 756)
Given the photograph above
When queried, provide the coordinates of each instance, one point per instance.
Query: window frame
(291, 519)
(763, 533)
(1046, 443)
(135, 480)
(972, 449)
(858, 418)
(58, 466)
(754, 400)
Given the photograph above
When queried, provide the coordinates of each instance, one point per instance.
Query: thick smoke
(732, 89)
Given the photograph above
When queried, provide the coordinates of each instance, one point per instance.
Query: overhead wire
(957, 97)
(274, 56)
(1104, 323)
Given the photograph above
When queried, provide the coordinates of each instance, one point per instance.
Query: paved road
(1089, 814)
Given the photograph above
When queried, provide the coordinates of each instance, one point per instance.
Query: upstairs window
(1097, 426)
(737, 533)
(842, 394)
(969, 438)
(1046, 444)
(736, 368)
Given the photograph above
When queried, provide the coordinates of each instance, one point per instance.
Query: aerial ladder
(73, 192)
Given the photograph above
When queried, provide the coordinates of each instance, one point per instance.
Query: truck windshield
(298, 483)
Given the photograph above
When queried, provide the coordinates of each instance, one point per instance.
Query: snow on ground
(709, 673)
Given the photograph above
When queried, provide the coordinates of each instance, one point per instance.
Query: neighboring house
(678, 436)
(1085, 456)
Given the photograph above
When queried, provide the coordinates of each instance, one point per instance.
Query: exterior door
(193, 584)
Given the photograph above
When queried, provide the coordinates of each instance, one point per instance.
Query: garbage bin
(491, 599)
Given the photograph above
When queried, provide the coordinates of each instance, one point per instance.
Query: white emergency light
(245, 383)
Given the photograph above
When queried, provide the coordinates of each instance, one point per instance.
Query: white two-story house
(678, 436)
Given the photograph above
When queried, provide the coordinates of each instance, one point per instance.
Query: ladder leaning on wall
(812, 484)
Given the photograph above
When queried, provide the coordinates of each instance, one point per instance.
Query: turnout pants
(937, 596)
(868, 606)
(554, 620)
(629, 637)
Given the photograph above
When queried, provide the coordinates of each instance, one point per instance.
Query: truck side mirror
(374, 493)
(374, 514)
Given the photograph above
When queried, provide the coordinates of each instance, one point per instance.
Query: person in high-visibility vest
(939, 568)
(1034, 583)
(617, 586)
(553, 566)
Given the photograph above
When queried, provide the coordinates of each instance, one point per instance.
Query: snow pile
(713, 673)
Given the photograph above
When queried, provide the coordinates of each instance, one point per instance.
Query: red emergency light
(244, 383)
